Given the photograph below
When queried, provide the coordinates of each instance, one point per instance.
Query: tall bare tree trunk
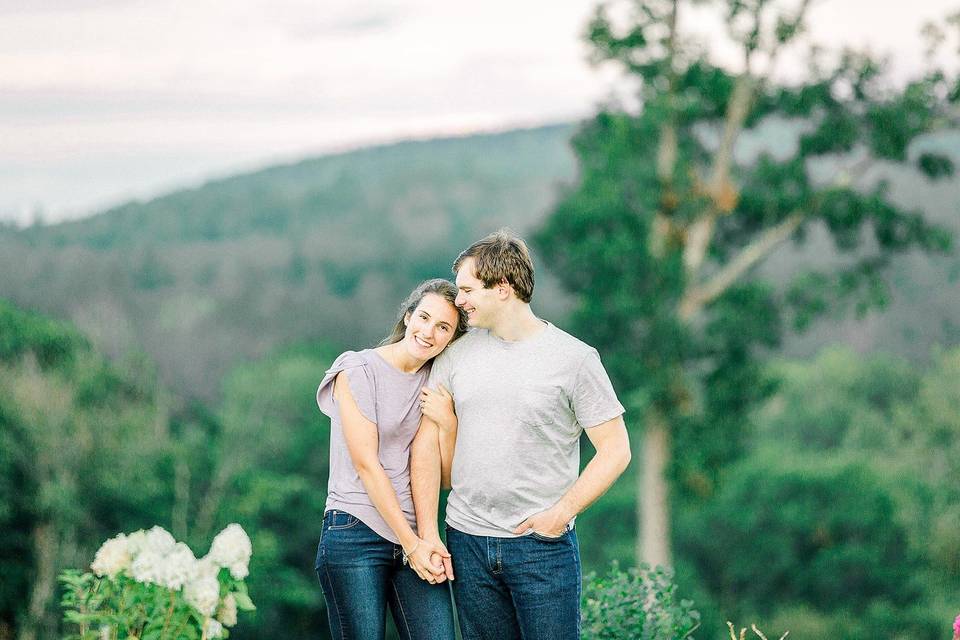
(654, 516)
(45, 553)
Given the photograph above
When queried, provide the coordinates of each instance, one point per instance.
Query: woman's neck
(400, 358)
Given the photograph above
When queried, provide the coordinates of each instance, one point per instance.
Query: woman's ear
(406, 319)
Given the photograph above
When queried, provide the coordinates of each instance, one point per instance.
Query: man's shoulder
(567, 343)
(456, 349)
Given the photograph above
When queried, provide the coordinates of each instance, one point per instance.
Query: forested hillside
(324, 249)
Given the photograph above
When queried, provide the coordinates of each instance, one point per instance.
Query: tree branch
(667, 149)
(722, 191)
(697, 297)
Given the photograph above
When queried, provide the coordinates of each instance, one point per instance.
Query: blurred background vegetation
(158, 361)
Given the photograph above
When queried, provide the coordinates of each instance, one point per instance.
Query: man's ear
(504, 289)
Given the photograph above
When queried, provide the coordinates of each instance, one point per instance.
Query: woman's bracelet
(407, 555)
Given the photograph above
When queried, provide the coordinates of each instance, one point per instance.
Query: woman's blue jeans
(362, 574)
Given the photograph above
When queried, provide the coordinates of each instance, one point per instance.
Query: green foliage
(935, 165)
(864, 450)
(75, 437)
(661, 239)
(641, 604)
(788, 528)
(52, 343)
(272, 454)
(132, 609)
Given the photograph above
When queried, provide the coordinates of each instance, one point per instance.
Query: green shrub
(641, 604)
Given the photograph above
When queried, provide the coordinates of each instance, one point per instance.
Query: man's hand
(551, 523)
(429, 560)
(441, 557)
(438, 406)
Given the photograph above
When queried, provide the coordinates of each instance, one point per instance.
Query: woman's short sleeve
(361, 381)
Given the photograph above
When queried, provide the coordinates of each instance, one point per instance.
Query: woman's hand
(423, 556)
(438, 406)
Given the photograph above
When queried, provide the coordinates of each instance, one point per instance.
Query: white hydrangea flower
(148, 567)
(177, 567)
(212, 628)
(231, 549)
(112, 557)
(227, 613)
(136, 542)
(203, 594)
(239, 570)
(160, 540)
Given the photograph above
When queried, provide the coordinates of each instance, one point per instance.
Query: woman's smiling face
(430, 327)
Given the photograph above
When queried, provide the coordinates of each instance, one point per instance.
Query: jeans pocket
(341, 520)
(543, 538)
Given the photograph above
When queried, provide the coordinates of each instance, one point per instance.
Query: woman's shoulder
(355, 365)
(350, 359)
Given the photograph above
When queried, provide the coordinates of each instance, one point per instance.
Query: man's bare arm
(438, 406)
(611, 459)
(425, 487)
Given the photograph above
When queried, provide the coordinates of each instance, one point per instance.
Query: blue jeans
(362, 574)
(525, 588)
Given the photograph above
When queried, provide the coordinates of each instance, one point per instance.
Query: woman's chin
(420, 352)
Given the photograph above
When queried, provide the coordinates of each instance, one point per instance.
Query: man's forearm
(447, 436)
(425, 477)
(597, 477)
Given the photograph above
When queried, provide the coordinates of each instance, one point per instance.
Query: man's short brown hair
(501, 257)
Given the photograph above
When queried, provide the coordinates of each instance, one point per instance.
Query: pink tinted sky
(107, 100)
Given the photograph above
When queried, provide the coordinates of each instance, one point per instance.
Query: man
(524, 391)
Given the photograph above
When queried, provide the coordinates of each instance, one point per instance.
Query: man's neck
(517, 323)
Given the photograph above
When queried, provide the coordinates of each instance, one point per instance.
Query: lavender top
(388, 398)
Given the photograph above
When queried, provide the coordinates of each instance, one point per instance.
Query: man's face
(481, 304)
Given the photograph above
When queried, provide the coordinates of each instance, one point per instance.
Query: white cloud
(208, 85)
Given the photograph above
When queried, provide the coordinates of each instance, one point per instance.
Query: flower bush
(641, 604)
(147, 586)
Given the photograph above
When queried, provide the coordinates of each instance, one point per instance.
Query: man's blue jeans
(516, 588)
(362, 574)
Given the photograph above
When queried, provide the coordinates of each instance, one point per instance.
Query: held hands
(430, 560)
(438, 406)
(551, 523)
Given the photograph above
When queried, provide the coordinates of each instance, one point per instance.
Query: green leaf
(244, 603)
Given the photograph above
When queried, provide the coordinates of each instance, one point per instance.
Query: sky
(103, 101)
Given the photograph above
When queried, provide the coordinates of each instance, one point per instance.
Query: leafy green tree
(84, 451)
(901, 419)
(661, 238)
(266, 467)
(795, 529)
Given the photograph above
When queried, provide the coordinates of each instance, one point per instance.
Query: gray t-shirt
(521, 408)
(389, 398)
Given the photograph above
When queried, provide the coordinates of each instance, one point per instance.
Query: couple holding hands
(473, 392)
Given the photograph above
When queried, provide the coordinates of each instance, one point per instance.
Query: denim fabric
(362, 574)
(525, 588)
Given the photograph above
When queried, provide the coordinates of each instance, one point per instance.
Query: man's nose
(459, 300)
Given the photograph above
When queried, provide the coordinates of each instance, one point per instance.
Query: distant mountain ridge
(324, 249)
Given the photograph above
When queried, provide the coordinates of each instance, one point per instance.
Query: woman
(369, 528)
